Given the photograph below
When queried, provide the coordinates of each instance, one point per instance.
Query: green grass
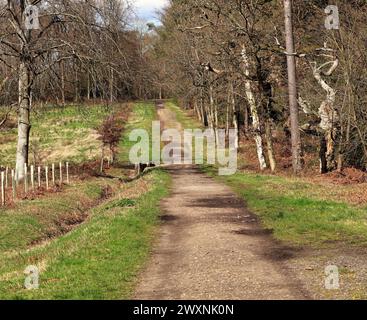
(141, 117)
(58, 132)
(298, 212)
(33, 220)
(186, 121)
(99, 259)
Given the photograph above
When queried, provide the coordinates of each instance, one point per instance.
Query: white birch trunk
(329, 119)
(24, 126)
(254, 112)
(234, 117)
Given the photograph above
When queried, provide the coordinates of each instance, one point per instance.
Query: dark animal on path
(140, 167)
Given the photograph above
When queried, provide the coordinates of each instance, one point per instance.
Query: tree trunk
(24, 125)
(329, 124)
(111, 85)
(196, 107)
(94, 89)
(211, 107)
(270, 147)
(76, 98)
(208, 117)
(88, 84)
(62, 71)
(340, 161)
(213, 113)
(246, 121)
(227, 118)
(216, 118)
(323, 160)
(293, 94)
(203, 114)
(331, 135)
(234, 113)
(254, 112)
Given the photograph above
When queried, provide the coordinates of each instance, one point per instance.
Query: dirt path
(211, 247)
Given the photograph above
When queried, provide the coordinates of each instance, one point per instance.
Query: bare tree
(71, 33)
(292, 87)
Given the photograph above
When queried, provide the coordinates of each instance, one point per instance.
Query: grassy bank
(67, 133)
(300, 212)
(48, 216)
(100, 258)
(85, 245)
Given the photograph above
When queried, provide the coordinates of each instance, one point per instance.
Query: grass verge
(141, 117)
(186, 121)
(100, 258)
(67, 133)
(46, 217)
(298, 212)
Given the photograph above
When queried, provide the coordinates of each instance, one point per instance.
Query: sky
(146, 8)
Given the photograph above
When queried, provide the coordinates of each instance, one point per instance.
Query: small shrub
(110, 133)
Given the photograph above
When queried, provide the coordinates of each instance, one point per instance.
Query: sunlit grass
(186, 121)
(141, 117)
(55, 132)
(299, 212)
(99, 259)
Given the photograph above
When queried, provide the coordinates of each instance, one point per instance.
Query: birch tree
(68, 32)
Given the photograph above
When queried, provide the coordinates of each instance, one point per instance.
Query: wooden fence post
(39, 177)
(2, 188)
(67, 173)
(13, 184)
(25, 178)
(32, 177)
(60, 166)
(46, 174)
(6, 176)
(53, 174)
